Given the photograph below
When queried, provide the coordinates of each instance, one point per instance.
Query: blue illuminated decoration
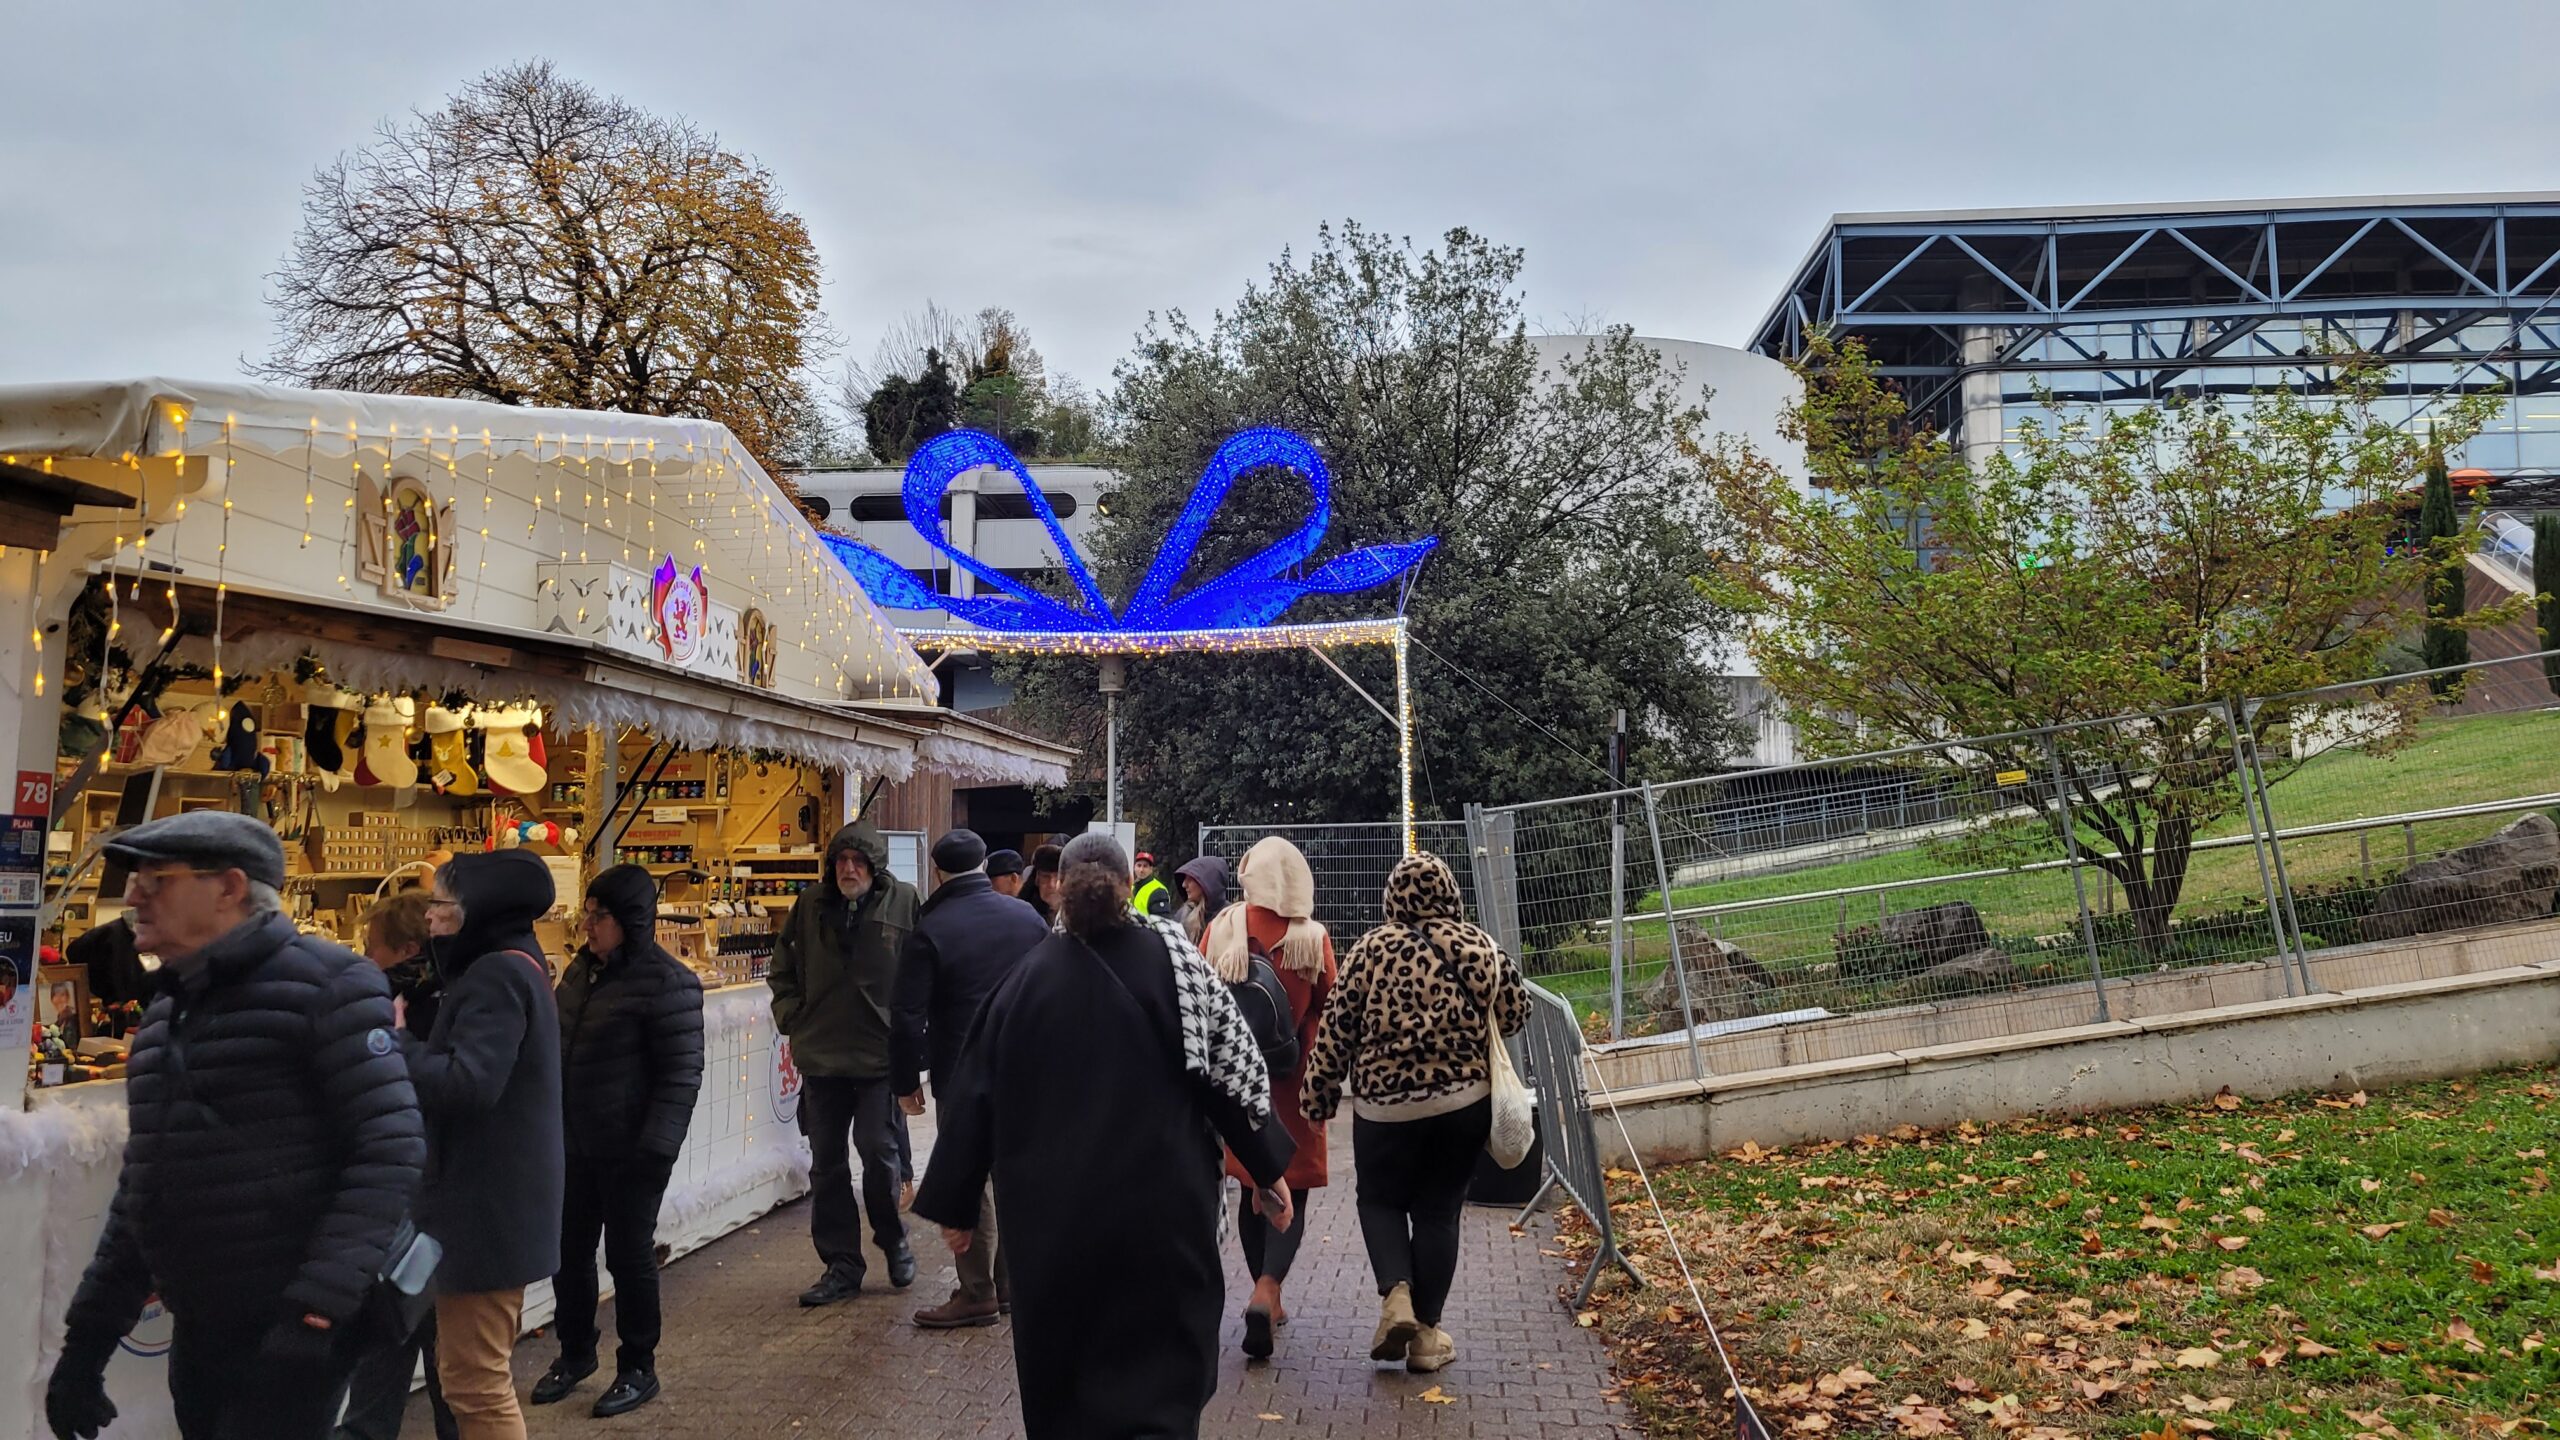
(1254, 591)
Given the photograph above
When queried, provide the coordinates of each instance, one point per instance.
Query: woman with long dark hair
(1101, 1077)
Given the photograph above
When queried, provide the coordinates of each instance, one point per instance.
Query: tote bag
(1515, 1121)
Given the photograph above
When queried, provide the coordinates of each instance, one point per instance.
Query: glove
(75, 1400)
(293, 1346)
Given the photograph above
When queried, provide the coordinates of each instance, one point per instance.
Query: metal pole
(2262, 841)
(1671, 936)
(1404, 737)
(2257, 775)
(1113, 679)
(2079, 876)
(1618, 881)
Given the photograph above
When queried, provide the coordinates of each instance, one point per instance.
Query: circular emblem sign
(681, 609)
(150, 1335)
(786, 1082)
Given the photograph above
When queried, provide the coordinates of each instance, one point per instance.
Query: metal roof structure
(2103, 304)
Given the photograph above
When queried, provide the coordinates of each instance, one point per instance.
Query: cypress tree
(2448, 590)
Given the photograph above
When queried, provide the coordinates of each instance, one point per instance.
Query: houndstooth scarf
(1217, 1045)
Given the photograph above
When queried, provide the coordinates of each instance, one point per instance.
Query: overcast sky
(1664, 165)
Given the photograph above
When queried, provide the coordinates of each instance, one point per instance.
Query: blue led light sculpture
(1252, 592)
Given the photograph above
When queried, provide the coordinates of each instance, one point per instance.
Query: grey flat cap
(205, 840)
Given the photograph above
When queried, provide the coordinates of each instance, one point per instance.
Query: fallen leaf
(2253, 1214)
(1587, 1319)
(2225, 1100)
(1985, 1288)
(2155, 1222)
(2551, 1274)
(2376, 1232)
(1976, 1330)
(2198, 1405)
(2312, 1348)
(2269, 1358)
(2370, 1184)
(2233, 1242)
(1813, 1424)
(2199, 1357)
(1919, 1421)
(2461, 1333)
(2483, 1272)
(2011, 1301)
(1268, 1415)
(1436, 1396)
(2239, 1280)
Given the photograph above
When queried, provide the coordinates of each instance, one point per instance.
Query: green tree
(1569, 514)
(534, 242)
(903, 413)
(2447, 583)
(2546, 584)
(2158, 560)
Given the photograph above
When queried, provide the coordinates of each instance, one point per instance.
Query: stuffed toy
(512, 833)
(385, 757)
(170, 740)
(448, 765)
(239, 749)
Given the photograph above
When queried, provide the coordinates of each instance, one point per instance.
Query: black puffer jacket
(630, 1034)
(275, 1145)
(488, 1078)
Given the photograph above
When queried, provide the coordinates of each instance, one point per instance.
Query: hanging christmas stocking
(448, 759)
(510, 765)
(385, 759)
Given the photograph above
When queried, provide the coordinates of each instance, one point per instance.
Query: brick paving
(741, 1358)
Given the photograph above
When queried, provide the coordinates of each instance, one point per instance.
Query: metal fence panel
(1350, 861)
(1550, 1053)
(1992, 885)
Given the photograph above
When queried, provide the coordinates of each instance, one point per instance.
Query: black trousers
(846, 1118)
(378, 1399)
(1268, 1253)
(1413, 1188)
(617, 1199)
(220, 1391)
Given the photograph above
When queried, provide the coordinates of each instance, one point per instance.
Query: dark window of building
(1006, 506)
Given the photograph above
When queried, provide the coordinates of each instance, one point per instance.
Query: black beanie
(959, 852)
(630, 896)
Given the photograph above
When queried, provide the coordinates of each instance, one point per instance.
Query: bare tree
(534, 242)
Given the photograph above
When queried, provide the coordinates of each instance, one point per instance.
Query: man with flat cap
(967, 937)
(275, 1142)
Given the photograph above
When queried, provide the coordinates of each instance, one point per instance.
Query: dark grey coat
(488, 1078)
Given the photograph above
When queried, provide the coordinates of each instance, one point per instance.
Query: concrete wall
(2445, 1006)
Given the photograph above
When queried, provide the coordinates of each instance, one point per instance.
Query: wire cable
(1559, 741)
(1748, 1424)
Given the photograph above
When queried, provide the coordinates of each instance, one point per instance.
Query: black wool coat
(967, 938)
(630, 1052)
(488, 1079)
(275, 1142)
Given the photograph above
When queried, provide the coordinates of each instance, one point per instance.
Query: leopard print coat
(1406, 1023)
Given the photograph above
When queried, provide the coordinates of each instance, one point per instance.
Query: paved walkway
(741, 1358)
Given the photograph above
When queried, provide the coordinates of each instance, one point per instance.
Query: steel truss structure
(2458, 292)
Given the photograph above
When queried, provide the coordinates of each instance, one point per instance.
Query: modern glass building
(1974, 311)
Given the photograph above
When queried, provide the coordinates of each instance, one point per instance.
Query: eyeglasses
(143, 884)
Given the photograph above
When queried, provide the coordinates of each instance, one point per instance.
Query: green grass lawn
(2298, 1269)
(2452, 762)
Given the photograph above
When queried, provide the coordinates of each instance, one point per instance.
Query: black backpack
(1267, 1012)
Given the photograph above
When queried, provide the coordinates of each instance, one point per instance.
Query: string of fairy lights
(1327, 635)
(755, 547)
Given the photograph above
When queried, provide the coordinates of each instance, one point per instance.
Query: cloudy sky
(1665, 165)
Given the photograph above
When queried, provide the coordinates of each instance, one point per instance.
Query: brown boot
(958, 1313)
(1396, 1325)
(1432, 1350)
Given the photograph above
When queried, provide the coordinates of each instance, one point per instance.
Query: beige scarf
(1275, 877)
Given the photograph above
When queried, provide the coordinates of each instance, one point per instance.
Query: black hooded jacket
(835, 965)
(275, 1140)
(630, 1034)
(966, 938)
(488, 1078)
